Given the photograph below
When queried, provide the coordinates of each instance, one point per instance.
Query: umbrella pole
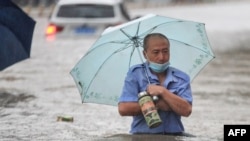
(155, 98)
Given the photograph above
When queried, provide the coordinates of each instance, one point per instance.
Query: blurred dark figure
(16, 31)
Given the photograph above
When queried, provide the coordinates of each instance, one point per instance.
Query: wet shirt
(136, 81)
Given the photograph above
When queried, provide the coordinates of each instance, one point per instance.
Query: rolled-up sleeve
(183, 88)
(185, 92)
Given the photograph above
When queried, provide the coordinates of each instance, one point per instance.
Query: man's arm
(162, 105)
(176, 103)
(129, 108)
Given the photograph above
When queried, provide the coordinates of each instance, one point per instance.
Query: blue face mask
(158, 67)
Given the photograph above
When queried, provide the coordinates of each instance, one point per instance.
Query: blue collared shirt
(136, 81)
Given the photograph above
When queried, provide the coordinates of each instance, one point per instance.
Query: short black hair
(148, 36)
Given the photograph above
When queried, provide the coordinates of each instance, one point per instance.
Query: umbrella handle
(155, 98)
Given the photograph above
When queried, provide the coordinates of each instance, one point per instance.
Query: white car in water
(85, 17)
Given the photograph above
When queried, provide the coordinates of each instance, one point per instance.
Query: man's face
(158, 50)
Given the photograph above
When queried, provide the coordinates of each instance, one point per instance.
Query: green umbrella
(100, 73)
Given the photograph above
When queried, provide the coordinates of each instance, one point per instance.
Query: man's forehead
(157, 37)
(158, 42)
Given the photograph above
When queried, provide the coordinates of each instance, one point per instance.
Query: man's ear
(144, 54)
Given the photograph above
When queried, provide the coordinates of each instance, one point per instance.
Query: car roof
(89, 1)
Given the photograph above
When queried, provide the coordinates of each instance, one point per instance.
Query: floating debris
(65, 118)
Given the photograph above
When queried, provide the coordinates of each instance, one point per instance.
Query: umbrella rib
(129, 36)
(138, 27)
(119, 42)
(193, 47)
(149, 31)
(133, 50)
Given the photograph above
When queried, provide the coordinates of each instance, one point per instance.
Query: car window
(86, 11)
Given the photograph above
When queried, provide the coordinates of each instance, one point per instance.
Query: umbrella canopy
(16, 31)
(100, 73)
